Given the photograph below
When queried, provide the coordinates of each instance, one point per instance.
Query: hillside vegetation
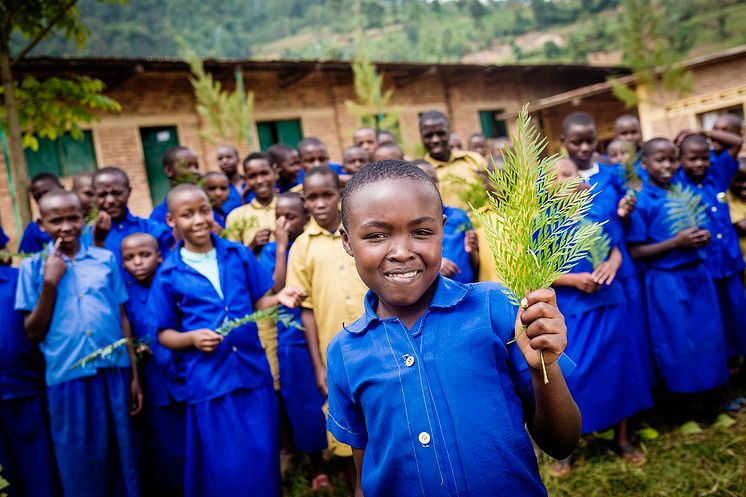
(485, 31)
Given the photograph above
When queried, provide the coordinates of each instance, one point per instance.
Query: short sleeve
(637, 230)
(117, 285)
(346, 420)
(27, 291)
(29, 243)
(162, 303)
(725, 169)
(260, 280)
(298, 273)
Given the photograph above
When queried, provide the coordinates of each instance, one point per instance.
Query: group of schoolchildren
(388, 356)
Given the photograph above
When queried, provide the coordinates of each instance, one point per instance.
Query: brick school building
(291, 100)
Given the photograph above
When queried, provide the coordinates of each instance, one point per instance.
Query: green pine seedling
(111, 352)
(533, 224)
(632, 180)
(685, 209)
(271, 313)
(599, 250)
(473, 193)
(237, 228)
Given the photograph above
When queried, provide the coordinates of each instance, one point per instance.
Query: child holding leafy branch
(424, 386)
(667, 232)
(231, 414)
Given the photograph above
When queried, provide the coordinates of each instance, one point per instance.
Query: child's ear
(444, 219)
(41, 224)
(346, 241)
(170, 220)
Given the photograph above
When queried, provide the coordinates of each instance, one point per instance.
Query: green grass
(712, 463)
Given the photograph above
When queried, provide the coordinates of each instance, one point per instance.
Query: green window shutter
(485, 121)
(267, 134)
(155, 142)
(44, 160)
(289, 132)
(76, 156)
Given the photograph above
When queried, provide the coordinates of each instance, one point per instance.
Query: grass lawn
(711, 463)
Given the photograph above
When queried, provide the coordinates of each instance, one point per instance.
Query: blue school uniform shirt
(285, 335)
(723, 254)
(164, 379)
(159, 212)
(219, 216)
(183, 299)
(234, 200)
(438, 408)
(454, 233)
(21, 363)
(132, 224)
(33, 239)
(86, 314)
(649, 224)
(334, 166)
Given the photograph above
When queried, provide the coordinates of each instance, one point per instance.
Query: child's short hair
(144, 237)
(44, 176)
(625, 118)
(114, 171)
(323, 171)
(256, 156)
(293, 196)
(212, 174)
(180, 189)
(476, 136)
(383, 135)
(577, 119)
(388, 149)
(694, 139)
(170, 156)
(351, 149)
(310, 141)
(647, 147)
(433, 115)
(51, 195)
(379, 171)
(278, 152)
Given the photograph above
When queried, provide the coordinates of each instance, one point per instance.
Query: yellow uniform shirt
(319, 265)
(462, 164)
(242, 229)
(486, 259)
(738, 214)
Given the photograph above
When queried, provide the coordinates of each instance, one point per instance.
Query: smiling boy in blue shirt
(231, 414)
(34, 238)
(423, 385)
(162, 428)
(25, 446)
(73, 300)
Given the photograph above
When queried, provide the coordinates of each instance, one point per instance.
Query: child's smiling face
(190, 214)
(228, 160)
(396, 241)
(660, 163)
(62, 218)
(695, 159)
(580, 143)
(260, 177)
(217, 189)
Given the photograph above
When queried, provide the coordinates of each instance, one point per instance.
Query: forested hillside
(487, 31)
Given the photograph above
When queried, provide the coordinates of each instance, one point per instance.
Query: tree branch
(44, 32)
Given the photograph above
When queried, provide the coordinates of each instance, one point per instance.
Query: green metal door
(155, 142)
(270, 132)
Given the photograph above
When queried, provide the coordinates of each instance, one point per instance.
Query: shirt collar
(313, 229)
(221, 247)
(655, 191)
(455, 155)
(82, 253)
(256, 205)
(591, 171)
(448, 294)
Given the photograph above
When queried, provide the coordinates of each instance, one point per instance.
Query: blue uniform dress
(89, 406)
(132, 224)
(234, 200)
(438, 408)
(26, 452)
(33, 239)
(454, 233)
(609, 383)
(302, 398)
(723, 258)
(232, 434)
(159, 212)
(683, 314)
(162, 426)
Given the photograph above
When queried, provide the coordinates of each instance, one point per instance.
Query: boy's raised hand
(55, 266)
(291, 297)
(545, 328)
(626, 206)
(282, 233)
(471, 243)
(448, 268)
(205, 339)
(101, 228)
(260, 239)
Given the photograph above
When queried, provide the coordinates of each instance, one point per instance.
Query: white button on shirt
(424, 438)
(409, 361)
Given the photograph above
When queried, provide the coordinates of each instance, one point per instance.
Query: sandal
(631, 455)
(560, 468)
(322, 482)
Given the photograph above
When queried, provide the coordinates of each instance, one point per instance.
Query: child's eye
(374, 236)
(423, 233)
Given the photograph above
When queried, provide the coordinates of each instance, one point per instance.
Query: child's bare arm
(692, 237)
(731, 141)
(37, 321)
(288, 296)
(203, 339)
(555, 422)
(281, 267)
(135, 389)
(357, 456)
(312, 339)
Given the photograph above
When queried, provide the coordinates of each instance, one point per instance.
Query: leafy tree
(45, 108)
(551, 50)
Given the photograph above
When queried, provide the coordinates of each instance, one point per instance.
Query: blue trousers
(303, 401)
(232, 445)
(26, 453)
(93, 435)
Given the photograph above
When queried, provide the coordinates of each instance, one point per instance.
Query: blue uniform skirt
(232, 445)
(732, 300)
(162, 433)
(685, 329)
(608, 383)
(302, 398)
(636, 326)
(93, 436)
(26, 452)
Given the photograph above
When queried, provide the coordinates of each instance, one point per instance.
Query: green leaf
(685, 209)
(648, 433)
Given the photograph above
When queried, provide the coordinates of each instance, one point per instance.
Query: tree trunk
(17, 159)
